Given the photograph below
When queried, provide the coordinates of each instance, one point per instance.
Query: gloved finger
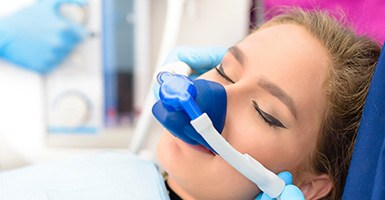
(58, 47)
(47, 58)
(60, 55)
(263, 196)
(34, 59)
(286, 177)
(292, 192)
(172, 56)
(73, 33)
(259, 197)
(46, 62)
(202, 59)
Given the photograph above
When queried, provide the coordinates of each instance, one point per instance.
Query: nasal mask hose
(194, 111)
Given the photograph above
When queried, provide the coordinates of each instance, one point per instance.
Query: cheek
(207, 75)
(277, 149)
(213, 75)
(275, 153)
(167, 151)
(247, 133)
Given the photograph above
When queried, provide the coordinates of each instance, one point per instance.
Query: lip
(200, 148)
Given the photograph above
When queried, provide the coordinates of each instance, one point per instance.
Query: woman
(295, 88)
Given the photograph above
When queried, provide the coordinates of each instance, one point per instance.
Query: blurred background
(93, 99)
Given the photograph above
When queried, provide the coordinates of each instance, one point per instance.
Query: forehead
(285, 39)
(289, 56)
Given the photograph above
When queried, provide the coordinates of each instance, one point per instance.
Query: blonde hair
(352, 62)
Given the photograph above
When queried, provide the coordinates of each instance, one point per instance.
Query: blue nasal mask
(199, 96)
(195, 112)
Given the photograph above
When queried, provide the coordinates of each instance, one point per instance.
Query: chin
(178, 159)
(201, 173)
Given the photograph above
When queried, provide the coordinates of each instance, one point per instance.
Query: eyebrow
(279, 93)
(237, 53)
(266, 85)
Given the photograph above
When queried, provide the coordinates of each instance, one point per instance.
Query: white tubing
(266, 180)
(171, 29)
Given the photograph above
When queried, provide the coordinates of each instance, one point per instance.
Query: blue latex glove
(38, 37)
(200, 59)
(290, 191)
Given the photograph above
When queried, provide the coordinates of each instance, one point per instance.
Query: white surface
(8, 7)
(142, 47)
(21, 116)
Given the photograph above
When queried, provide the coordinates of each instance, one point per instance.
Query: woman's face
(274, 110)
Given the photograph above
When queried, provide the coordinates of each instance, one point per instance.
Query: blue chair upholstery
(366, 178)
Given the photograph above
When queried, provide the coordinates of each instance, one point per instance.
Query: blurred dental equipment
(93, 99)
(203, 104)
(35, 36)
(65, 108)
(41, 36)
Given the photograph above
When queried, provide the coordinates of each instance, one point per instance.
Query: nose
(235, 109)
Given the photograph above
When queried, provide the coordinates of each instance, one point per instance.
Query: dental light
(181, 99)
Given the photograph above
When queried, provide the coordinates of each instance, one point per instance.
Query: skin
(292, 59)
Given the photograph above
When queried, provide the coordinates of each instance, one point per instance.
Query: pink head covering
(366, 16)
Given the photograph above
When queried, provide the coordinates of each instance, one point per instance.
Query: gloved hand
(39, 37)
(200, 59)
(290, 192)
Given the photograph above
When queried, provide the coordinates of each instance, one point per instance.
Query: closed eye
(222, 73)
(270, 120)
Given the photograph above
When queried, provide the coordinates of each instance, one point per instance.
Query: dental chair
(366, 177)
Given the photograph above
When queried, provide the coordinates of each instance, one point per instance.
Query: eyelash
(223, 74)
(270, 120)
